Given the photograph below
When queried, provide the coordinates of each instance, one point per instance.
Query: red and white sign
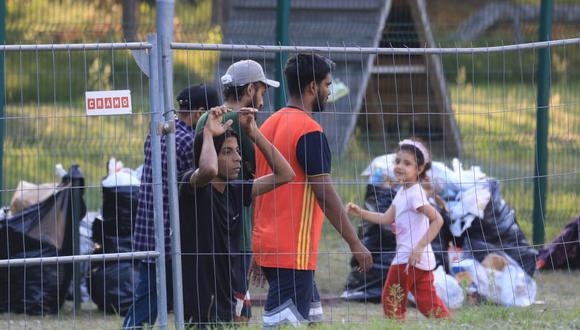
(106, 103)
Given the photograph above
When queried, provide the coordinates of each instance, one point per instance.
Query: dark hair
(198, 96)
(425, 181)
(419, 157)
(218, 141)
(235, 93)
(302, 69)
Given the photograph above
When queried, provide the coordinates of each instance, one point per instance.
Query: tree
(130, 19)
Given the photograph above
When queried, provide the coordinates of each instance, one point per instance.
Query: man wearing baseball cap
(244, 85)
(193, 101)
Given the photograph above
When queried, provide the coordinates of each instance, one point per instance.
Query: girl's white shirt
(411, 225)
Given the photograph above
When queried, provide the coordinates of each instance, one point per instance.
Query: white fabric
(411, 226)
(286, 313)
(118, 175)
(316, 313)
(468, 205)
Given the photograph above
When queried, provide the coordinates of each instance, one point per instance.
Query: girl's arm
(435, 224)
(375, 217)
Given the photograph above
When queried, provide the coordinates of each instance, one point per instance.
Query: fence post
(282, 18)
(77, 188)
(165, 14)
(2, 89)
(156, 106)
(542, 117)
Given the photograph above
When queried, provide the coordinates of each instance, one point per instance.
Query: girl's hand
(416, 255)
(353, 209)
(215, 124)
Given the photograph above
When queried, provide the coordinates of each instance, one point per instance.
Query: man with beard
(244, 86)
(288, 221)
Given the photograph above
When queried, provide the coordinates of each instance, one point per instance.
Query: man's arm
(208, 163)
(331, 204)
(282, 172)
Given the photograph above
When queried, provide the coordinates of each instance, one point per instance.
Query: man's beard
(254, 103)
(318, 104)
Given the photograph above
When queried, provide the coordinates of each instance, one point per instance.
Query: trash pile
(38, 224)
(479, 230)
(112, 282)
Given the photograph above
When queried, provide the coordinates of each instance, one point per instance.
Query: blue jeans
(143, 312)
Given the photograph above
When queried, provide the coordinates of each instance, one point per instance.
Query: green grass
(497, 125)
(560, 308)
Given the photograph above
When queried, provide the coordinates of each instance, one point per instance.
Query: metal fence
(50, 240)
(491, 94)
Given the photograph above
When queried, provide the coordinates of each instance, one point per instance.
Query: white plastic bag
(447, 288)
(510, 286)
(118, 175)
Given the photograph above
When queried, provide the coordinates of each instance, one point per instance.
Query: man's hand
(362, 256)
(215, 118)
(248, 122)
(256, 275)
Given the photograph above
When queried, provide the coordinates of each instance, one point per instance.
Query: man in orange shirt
(288, 221)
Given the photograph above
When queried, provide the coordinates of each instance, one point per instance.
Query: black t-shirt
(313, 154)
(211, 233)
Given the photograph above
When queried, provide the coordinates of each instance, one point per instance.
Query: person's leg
(144, 309)
(169, 283)
(394, 296)
(428, 302)
(244, 304)
(289, 296)
(316, 314)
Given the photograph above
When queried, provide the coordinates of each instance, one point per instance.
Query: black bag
(499, 231)
(119, 210)
(382, 244)
(564, 251)
(112, 285)
(113, 282)
(41, 230)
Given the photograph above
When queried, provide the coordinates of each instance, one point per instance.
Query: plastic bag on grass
(506, 284)
(447, 287)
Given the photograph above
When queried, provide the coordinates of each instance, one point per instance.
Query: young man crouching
(210, 212)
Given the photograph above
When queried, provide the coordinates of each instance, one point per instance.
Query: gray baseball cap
(245, 72)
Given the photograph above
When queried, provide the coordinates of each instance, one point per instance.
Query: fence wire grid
(475, 104)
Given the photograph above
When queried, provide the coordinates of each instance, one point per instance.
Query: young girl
(416, 225)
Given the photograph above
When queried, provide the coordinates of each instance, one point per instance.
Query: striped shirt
(144, 234)
(288, 220)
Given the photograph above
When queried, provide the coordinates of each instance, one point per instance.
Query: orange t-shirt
(287, 220)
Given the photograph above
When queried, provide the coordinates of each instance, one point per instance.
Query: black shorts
(292, 297)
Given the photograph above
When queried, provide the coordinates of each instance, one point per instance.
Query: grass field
(559, 309)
